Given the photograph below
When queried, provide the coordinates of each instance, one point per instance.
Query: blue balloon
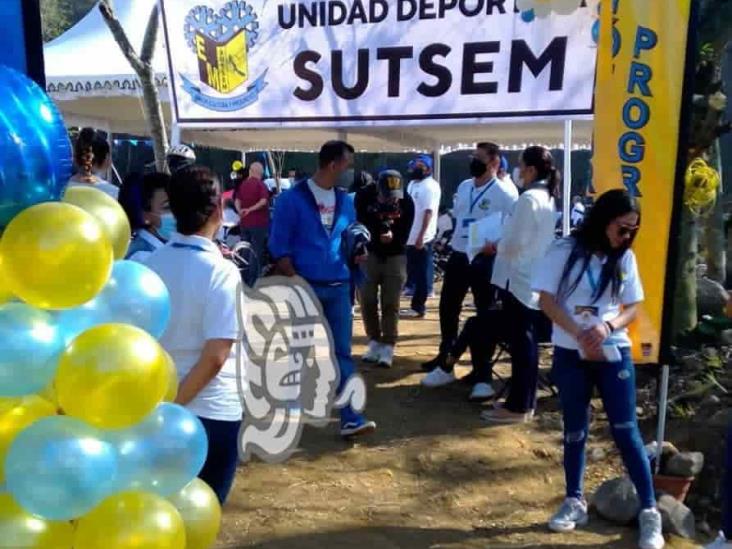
(162, 453)
(60, 468)
(35, 151)
(136, 295)
(74, 322)
(30, 344)
(133, 295)
(528, 16)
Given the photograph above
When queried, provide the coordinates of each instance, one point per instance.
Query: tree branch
(151, 37)
(121, 37)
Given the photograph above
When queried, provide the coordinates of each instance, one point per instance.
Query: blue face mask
(167, 226)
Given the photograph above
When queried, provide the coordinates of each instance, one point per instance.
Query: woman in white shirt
(526, 238)
(590, 288)
(93, 159)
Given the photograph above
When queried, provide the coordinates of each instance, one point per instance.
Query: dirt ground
(433, 476)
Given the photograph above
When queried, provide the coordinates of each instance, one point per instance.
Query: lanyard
(189, 247)
(594, 283)
(473, 202)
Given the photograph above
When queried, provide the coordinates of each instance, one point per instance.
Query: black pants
(481, 334)
(523, 342)
(461, 275)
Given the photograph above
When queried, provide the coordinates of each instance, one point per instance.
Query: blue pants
(727, 489)
(223, 455)
(336, 302)
(615, 381)
(423, 271)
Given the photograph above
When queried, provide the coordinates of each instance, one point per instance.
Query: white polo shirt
(426, 195)
(474, 203)
(203, 288)
(581, 304)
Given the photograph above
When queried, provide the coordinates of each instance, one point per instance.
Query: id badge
(466, 227)
(587, 315)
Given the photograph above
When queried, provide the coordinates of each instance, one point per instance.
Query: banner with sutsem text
(256, 63)
(640, 87)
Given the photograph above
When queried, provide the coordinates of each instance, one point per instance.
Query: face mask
(418, 173)
(477, 168)
(167, 225)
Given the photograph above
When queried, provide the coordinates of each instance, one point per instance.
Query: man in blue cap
(426, 195)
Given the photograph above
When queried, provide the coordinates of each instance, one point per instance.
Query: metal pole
(662, 409)
(175, 134)
(567, 188)
(437, 159)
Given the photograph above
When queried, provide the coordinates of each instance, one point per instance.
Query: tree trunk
(684, 311)
(142, 65)
(155, 120)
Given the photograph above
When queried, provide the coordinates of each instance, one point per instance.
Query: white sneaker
(387, 356)
(571, 514)
(410, 314)
(438, 377)
(651, 530)
(720, 543)
(481, 392)
(373, 354)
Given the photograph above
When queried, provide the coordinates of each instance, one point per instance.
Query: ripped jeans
(615, 381)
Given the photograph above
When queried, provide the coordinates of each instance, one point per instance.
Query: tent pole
(175, 134)
(567, 188)
(437, 159)
(662, 409)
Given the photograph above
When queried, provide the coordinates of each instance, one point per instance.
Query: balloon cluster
(92, 452)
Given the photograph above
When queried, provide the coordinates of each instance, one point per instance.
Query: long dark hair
(542, 160)
(591, 237)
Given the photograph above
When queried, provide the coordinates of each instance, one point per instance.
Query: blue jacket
(298, 233)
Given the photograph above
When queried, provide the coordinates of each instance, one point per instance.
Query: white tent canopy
(93, 84)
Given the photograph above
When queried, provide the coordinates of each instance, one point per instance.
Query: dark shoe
(439, 360)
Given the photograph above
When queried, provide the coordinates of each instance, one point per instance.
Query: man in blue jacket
(306, 239)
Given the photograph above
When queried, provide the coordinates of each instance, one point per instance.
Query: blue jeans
(727, 489)
(615, 381)
(336, 302)
(223, 455)
(423, 272)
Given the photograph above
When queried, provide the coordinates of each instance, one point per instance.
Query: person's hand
(489, 249)
(593, 354)
(593, 337)
(245, 212)
(361, 259)
(387, 238)
(419, 244)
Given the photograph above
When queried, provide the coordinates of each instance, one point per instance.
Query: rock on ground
(685, 464)
(677, 517)
(617, 501)
(711, 298)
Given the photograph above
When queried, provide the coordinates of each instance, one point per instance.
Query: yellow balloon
(107, 211)
(198, 505)
(5, 293)
(21, 530)
(15, 415)
(55, 256)
(172, 391)
(112, 376)
(131, 520)
(49, 394)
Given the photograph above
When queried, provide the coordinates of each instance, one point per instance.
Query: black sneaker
(439, 360)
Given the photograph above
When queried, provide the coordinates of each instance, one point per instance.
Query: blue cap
(425, 159)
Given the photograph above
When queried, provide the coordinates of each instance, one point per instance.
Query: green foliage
(60, 15)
